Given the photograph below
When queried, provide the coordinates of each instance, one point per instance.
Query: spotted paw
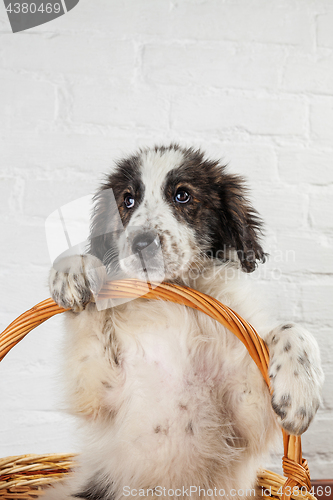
(73, 281)
(296, 376)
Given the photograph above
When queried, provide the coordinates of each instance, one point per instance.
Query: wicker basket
(24, 477)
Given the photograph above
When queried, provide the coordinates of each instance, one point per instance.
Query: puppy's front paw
(296, 376)
(73, 280)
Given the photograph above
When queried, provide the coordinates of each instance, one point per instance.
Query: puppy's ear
(105, 223)
(241, 224)
(98, 226)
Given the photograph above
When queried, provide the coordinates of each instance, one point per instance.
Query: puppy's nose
(145, 240)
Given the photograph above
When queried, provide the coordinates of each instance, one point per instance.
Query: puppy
(170, 402)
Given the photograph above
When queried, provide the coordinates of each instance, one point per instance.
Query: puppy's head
(177, 208)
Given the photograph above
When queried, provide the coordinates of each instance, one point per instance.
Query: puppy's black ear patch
(240, 224)
(100, 231)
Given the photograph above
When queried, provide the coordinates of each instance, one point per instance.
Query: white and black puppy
(169, 400)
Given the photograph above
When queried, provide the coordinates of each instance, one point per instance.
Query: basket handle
(295, 468)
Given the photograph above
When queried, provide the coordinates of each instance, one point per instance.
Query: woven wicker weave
(24, 477)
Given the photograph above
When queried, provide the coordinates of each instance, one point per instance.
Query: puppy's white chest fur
(154, 374)
(177, 395)
(163, 373)
(158, 351)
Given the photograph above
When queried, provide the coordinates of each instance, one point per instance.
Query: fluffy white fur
(165, 395)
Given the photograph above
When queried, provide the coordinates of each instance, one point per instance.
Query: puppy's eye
(182, 196)
(129, 201)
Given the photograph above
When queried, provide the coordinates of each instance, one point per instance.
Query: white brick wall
(251, 82)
